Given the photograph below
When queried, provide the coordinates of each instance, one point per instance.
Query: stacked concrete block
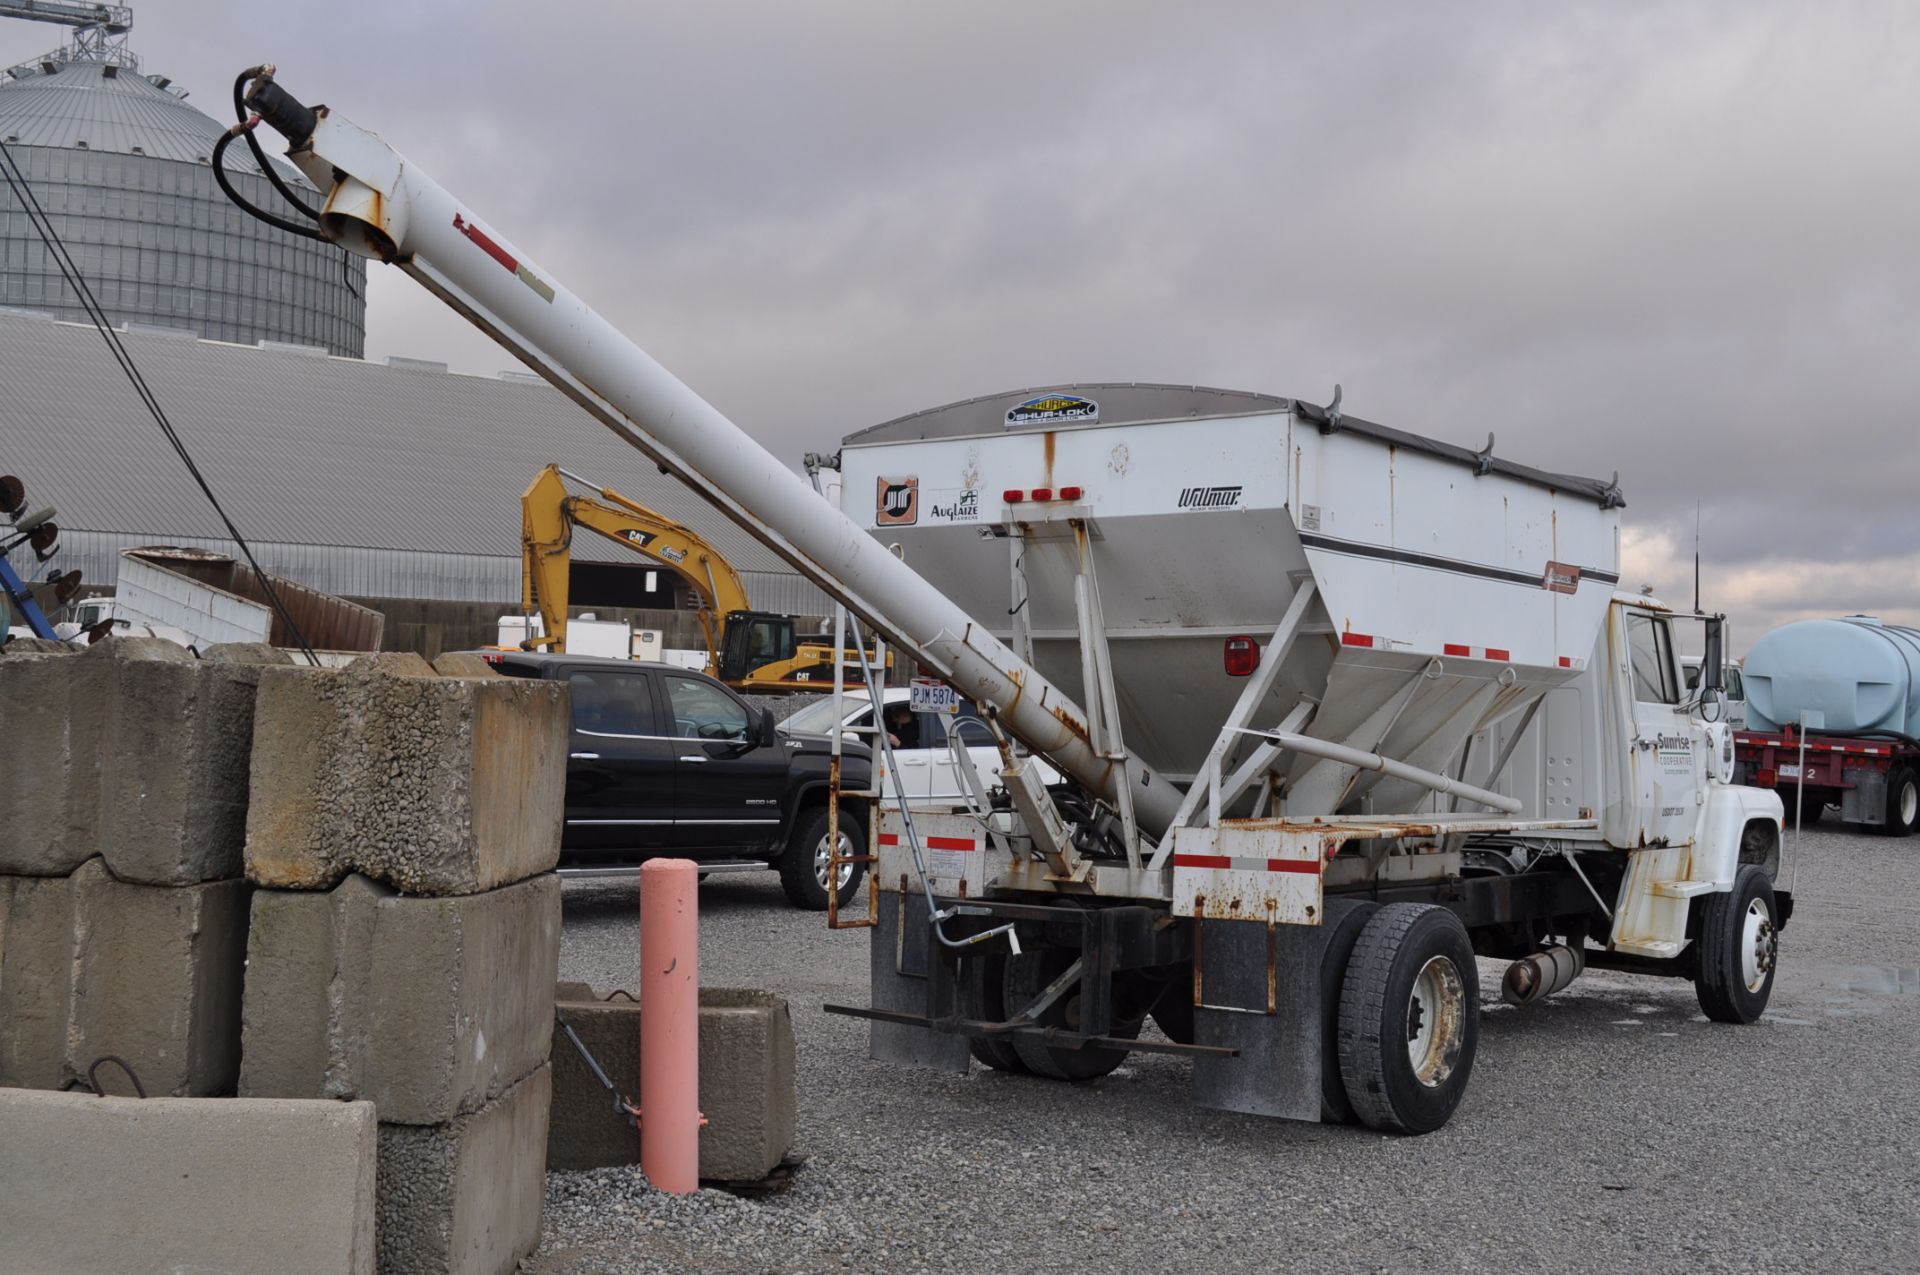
(169, 1185)
(122, 828)
(429, 1007)
(406, 935)
(746, 1082)
(434, 784)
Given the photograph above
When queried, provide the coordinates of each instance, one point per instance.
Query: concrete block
(436, 785)
(50, 784)
(462, 664)
(36, 979)
(465, 1196)
(156, 980)
(746, 1083)
(167, 1185)
(429, 1007)
(27, 644)
(174, 762)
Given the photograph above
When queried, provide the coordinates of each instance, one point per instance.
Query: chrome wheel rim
(1758, 945)
(1436, 1021)
(823, 861)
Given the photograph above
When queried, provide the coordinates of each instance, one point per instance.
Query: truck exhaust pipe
(1536, 977)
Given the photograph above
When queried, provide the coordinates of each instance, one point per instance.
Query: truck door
(1666, 757)
(728, 786)
(620, 764)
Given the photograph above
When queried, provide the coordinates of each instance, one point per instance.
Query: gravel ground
(1609, 1127)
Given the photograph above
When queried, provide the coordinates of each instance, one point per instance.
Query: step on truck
(1340, 709)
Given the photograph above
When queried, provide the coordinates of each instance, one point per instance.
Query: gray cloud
(1671, 240)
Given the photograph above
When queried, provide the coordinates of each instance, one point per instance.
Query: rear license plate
(1789, 772)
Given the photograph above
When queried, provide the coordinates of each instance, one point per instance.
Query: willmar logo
(1053, 407)
(1210, 497)
(897, 502)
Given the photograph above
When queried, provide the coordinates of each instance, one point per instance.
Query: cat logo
(1051, 408)
(897, 503)
(639, 538)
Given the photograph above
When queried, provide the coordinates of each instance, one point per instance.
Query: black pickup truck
(668, 762)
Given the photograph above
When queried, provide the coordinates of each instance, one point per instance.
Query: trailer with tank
(1832, 719)
(1339, 709)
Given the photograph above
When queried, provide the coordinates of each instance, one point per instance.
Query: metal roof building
(366, 480)
(122, 167)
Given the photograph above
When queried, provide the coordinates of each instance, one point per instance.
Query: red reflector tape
(1202, 861)
(951, 843)
(1356, 639)
(889, 839)
(1293, 865)
(487, 245)
(1454, 648)
(1497, 653)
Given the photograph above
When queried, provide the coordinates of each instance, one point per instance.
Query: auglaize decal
(957, 504)
(897, 502)
(1053, 408)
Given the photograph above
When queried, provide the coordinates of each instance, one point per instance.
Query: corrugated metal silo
(122, 167)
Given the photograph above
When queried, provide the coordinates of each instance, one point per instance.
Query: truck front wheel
(1738, 948)
(1409, 1018)
(805, 867)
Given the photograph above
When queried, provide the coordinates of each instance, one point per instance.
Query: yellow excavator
(748, 650)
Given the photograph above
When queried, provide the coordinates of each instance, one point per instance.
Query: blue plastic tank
(1862, 675)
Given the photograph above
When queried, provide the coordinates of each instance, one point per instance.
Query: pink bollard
(670, 1025)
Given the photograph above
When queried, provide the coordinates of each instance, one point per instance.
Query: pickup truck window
(703, 711)
(607, 702)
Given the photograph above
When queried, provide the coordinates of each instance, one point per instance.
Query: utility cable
(16, 179)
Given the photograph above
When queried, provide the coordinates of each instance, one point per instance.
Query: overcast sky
(1676, 240)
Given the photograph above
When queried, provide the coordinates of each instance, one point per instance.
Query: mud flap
(903, 976)
(1277, 1071)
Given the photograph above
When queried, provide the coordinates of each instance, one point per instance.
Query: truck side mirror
(1713, 661)
(769, 733)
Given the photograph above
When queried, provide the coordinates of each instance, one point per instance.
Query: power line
(17, 180)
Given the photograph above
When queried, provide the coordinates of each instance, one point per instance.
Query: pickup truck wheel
(1027, 975)
(1409, 1018)
(804, 865)
(1903, 804)
(982, 989)
(1738, 949)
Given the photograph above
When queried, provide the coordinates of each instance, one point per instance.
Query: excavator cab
(754, 640)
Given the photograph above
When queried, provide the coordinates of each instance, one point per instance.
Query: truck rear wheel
(804, 864)
(1737, 950)
(1027, 975)
(1343, 932)
(1409, 1018)
(1903, 803)
(982, 989)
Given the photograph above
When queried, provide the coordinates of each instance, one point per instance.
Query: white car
(924, 753)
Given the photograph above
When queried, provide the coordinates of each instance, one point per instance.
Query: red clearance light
(1071, 493)
(1242, 656)
(1043, 493)
(1013, 495)
(1356, 639)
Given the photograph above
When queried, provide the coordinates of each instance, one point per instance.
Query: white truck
(1359, 707)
